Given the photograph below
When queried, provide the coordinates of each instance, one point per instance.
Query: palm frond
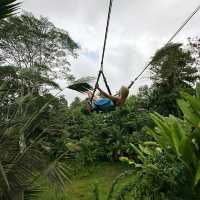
(37, 79)
(82, 85)
(4, 176)
(33, 192)
(20, 170)
(8, 8)
(57, 174)
(50, 193)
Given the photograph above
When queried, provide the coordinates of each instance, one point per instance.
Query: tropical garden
(149, 149)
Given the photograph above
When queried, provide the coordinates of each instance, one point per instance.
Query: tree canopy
(30, 42)
(172, 70)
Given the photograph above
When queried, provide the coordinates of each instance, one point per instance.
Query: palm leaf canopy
(82, 85)
(8, 8)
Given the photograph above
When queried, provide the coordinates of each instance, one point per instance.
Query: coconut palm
(82, 85)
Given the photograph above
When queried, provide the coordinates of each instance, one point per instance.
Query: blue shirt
(103, 104)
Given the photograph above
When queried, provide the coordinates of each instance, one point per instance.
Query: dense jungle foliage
(45, 142)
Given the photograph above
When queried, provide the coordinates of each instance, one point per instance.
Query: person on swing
(107, 102)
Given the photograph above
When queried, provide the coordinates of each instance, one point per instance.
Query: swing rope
(168, 42)
(103, 55)
(147, 65)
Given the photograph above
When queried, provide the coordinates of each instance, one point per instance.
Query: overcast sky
(138, 28)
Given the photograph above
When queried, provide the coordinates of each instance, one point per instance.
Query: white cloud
(138, 28)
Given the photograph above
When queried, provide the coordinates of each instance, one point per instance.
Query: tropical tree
(170, 161)
(37, 48)
(25, 151)
(172, 70)
(194, 46)
(182, 136)
(31, 118)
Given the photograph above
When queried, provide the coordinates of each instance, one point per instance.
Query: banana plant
(181, 136)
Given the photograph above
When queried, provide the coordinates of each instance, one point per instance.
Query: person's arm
(112, 98)
(89, 93)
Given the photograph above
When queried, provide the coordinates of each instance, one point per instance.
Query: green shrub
(159, 177)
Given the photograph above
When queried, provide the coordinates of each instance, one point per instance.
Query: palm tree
(8, 8)
(82, 85)
(24, 157)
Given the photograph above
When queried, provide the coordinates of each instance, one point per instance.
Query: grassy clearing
(82, 185)
(102, 174)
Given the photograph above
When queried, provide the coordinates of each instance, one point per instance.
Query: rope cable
(106, 83)
(106, 33)
(169, 41)
(103, 54)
